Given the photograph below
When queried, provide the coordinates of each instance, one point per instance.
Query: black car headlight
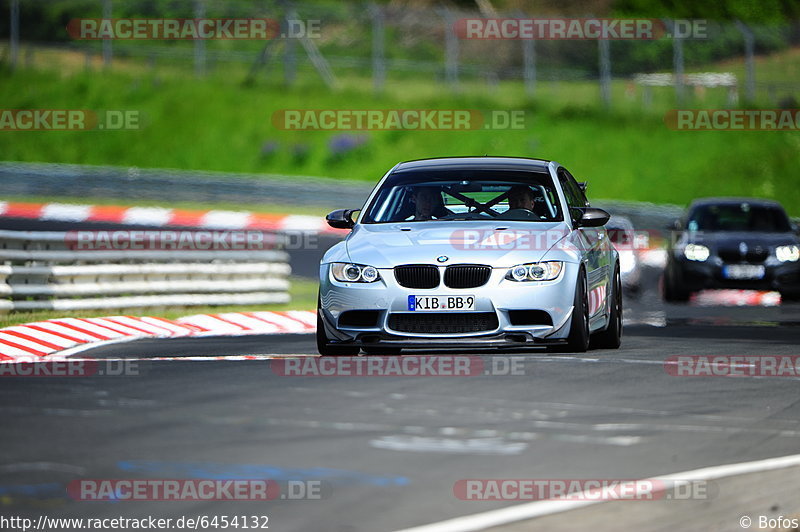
(535, 271)
(347, 272)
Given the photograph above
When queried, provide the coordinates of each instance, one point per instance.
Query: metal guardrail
(49, 179)
(41, 271)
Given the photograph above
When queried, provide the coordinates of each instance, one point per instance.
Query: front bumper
(694, 276)
(499, 297)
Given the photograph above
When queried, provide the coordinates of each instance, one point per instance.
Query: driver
(428, 204)
(520, 197)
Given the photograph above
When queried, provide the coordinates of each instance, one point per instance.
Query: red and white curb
(736, 298)
(64, 336)
(159, 216)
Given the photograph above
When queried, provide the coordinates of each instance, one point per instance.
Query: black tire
(578, 339)
(611, 338)
(672, 291)
(326, 349)
(381, 351)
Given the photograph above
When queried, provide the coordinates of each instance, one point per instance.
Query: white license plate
(436, 303)
(743, 271)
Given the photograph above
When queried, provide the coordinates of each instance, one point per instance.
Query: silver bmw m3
(471, 252)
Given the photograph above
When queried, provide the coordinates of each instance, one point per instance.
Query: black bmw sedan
(733, 243)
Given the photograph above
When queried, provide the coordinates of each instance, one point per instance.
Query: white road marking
(533, 510)
(483, 446)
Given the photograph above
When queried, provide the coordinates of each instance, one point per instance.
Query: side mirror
(593, 217)
(675, 225)
(341, 219)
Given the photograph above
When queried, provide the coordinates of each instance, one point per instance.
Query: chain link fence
(381, 44)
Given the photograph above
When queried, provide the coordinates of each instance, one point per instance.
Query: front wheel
(578, 339)
(325, 349)
(611, 338)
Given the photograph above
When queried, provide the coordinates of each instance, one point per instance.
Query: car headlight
(697, 252)
(787, 253)
(535, 271)
(347, 272)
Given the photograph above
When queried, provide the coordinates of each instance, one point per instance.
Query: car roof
(455, 163)
(701, 202)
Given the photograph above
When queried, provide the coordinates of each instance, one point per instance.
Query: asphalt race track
(387, 450)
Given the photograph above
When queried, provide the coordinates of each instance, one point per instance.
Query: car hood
(498, 244)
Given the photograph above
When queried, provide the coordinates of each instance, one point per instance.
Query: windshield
(465, 195)
(739, 217)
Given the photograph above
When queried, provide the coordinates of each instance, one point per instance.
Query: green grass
(303, 293)
(218, 123)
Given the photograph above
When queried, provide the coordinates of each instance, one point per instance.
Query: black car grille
(466, 276)
(417, 275)
(443, 323)
(755, 255)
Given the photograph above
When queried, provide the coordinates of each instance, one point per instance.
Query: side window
(578, 190)
(573, 193)
(570, 190)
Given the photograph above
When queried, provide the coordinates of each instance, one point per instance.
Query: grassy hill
(219, 123)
